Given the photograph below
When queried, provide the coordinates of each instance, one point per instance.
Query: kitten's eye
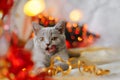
(41, 38)
(54, 38)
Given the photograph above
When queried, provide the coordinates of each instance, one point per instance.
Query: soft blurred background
(99, 18)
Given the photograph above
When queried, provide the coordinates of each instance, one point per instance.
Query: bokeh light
(79, 39)
(34, 7)
(75, 15)
(1, 14)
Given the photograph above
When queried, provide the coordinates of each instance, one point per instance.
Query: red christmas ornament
(19, 59)
(5, 6)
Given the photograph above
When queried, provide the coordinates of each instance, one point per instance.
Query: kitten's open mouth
(52, 49)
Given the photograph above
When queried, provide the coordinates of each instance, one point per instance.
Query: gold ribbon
(81, 65)
(54, 69)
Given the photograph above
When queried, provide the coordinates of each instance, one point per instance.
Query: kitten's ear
(60, 26)
(36, 27)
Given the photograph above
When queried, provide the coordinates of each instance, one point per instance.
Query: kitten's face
(50, 39)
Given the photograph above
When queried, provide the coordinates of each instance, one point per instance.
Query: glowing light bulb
(34, 7)
(76, 15)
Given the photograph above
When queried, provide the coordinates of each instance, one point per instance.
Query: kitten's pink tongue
(52, 49)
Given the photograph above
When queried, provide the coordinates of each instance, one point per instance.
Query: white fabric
(103, 59)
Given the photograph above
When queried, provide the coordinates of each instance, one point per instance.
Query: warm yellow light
(51, 18)
(76, 15)
(1, 14)
(34, 7)
(79, 39)
(68, 25)
(75, 24)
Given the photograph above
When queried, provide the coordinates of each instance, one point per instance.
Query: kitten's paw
(64, 66)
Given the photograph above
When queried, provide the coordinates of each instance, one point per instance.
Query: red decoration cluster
(79, 36)
(20, 63)
(19, 58)
(46, 21)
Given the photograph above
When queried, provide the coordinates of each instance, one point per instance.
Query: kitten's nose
(47, 44)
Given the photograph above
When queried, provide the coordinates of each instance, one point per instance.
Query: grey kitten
(48, 42)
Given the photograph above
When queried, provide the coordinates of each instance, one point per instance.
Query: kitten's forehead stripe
(42, 33)
(51, 33)
(48, 31)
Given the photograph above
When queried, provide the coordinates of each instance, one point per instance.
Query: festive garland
(81, 65)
